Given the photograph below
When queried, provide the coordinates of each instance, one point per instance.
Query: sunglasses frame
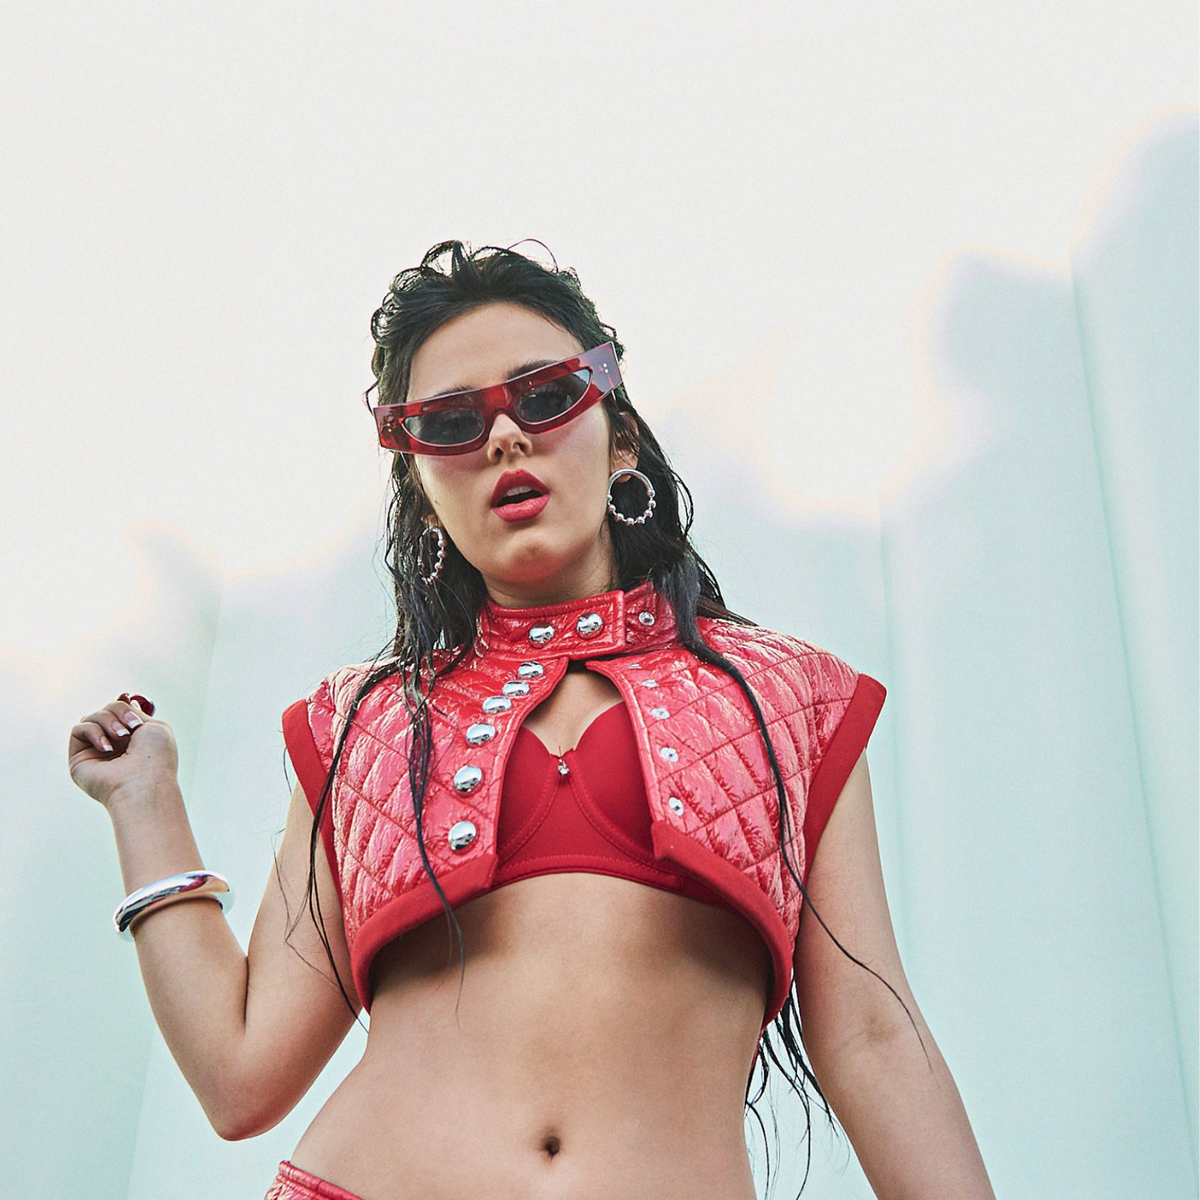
(604, 376)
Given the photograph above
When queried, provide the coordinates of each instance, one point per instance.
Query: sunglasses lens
(549, 400)
(544, 402)
(450, 427)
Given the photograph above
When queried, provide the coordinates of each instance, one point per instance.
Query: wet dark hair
(441, 618)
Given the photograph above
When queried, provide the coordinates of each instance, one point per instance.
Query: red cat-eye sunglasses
(456, 422)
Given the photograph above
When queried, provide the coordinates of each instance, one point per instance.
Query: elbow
(245, 1119)
(229, 1133)
(238, 1130)
(237, 1122)
(239, 1127)
(231, 1127)
(876, 1031)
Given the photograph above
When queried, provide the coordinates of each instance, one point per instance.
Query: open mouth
(523, 507)
(518, 496)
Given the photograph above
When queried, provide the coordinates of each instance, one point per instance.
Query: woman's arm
(250, 1032)
(896, 1100)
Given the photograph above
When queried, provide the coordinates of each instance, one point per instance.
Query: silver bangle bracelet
(189, 885)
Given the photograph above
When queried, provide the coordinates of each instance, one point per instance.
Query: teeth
(517, 491)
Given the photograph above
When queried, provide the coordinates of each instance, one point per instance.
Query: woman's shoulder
(720, 631)
(338, 688)
(805, 664)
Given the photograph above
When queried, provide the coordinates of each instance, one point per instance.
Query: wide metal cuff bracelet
(187, 886)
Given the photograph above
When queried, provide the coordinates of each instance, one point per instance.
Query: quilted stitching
(721, 772)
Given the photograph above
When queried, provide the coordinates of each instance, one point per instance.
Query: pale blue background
(946, 267)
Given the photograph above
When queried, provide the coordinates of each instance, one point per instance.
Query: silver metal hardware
(589, 625)
(539, 635)
(478, 734)
(515, 687)
(462, 834)
(675, 805)
(649, 683)
(466, 779)
(496, 704)
(669, 754)
(660, 713)
(530, 670)
(646, 618)
(188, 885)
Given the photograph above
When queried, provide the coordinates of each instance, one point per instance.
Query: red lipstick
(523, 509)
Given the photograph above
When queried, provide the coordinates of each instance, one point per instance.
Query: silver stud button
(589, 625)
(675, 805)
(462, 834)
(539, 635)
(530, 670)
(495, 704)
(515, 687)
(466, 779)
(649, 683)
(646, 618)
(669, 754)
(660, 713)
(478, 734)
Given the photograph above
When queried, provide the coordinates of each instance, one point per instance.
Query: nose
(505, 435)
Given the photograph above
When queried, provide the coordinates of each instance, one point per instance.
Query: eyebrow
(523, 369)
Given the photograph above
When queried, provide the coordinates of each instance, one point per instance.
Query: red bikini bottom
(294, 1183)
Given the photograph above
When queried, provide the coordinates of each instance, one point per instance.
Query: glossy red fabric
(294, 1183)
(709, 792)
(592, 818)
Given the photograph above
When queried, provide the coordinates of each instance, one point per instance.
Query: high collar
(608, 623)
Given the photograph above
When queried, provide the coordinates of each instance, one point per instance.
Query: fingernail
(133, 720)
(106, 743)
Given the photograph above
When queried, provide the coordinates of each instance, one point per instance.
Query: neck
(558, 589)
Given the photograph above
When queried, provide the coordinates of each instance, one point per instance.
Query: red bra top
(594, 815)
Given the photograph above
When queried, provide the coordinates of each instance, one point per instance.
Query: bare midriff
(597, 1047)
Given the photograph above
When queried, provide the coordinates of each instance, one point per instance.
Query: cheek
(444, 479)
(584, 445)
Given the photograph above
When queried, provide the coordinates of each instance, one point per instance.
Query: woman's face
(562, 553)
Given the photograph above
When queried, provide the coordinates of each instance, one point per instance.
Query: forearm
(194, 971)
(905, 1117)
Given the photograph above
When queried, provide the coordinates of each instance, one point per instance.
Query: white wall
(944, 260)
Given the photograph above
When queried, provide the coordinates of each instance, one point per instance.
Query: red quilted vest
(711, 793)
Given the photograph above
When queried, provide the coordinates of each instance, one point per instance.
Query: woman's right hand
(143, 751)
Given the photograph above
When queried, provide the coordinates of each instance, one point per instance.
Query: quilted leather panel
(716, 763)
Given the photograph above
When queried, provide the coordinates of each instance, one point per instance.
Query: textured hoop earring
(432, 578)
(649, 488)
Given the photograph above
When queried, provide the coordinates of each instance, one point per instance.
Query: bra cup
(610, 786)
(527, 795)
(594, 819)
(605, 787)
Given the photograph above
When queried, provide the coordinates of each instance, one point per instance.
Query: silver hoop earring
(649, 488)
(432, 578)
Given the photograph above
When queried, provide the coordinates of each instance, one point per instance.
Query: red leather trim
(295, 1183)
(843, 751)
(310, 770)
(677, 847)
(402, 913)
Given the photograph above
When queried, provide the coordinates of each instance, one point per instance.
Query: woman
(579, 771)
